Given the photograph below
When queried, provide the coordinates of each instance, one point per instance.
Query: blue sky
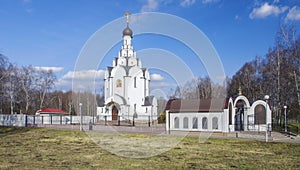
(51, 33)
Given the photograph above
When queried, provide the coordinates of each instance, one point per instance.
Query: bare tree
(11, 86)
(44, 83)
(27, 84)
(4, 63)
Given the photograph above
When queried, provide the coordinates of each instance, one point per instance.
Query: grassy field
(37, 148)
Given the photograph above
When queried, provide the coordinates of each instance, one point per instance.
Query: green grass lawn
(296, 124)
(39, 148)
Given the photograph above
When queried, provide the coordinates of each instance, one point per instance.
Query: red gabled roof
(53, 111)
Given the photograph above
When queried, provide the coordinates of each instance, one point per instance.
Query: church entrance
(114, 113)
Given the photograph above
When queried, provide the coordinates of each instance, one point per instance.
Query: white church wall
(118, 80)
(145, 113)
(132, 61)
(136, 91)
(110, 87)
(210, 122)
(139, 62)
(150, 110)
(100, 110)
(154, 108)
(124, 113)
(225, 120)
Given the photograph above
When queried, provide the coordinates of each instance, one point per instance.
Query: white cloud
(267, 10)
(162, 89)
(294, 13)
(84, 74)
(54, 69)
(209, 1)
(151, 5)
(81, 80)
(156, 77)
(186, 3)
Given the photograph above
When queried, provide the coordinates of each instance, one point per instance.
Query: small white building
(127, 87)
(218, 115)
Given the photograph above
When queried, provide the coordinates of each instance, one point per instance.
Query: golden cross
(127, 14)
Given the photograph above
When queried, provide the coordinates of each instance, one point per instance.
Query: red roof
(53, 111)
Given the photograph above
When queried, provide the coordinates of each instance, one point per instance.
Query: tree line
(276, 74)
(28, 89)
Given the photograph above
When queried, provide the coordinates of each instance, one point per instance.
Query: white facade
(127, 87)
(237, 115)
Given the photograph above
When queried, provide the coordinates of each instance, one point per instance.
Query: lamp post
(80, 104)
(267, 98)
(285, 129)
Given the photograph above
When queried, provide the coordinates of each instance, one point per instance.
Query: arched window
(119, 83)
(195, 123)
(176, 122)
(204, 123)
(185, 123)
(230, 114)
(215, 123)
(259, 114)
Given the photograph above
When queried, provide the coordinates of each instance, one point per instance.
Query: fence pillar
(42, 119)
(167, 122)
(60, 119)
(93, 118)
(133, 121)
(33, 120)
(118, 120)
(149, 121)
(26, 120)
(51, 119)
(105, 120)
(90, 125)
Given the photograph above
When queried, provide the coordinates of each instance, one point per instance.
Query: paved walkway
(160, 130)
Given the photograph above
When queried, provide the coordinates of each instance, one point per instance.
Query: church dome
(127, 31)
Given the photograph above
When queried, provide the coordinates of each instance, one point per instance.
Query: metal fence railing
(36, 120)
(33, 120)
(141, 121)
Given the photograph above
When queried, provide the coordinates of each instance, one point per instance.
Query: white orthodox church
(127, 86)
